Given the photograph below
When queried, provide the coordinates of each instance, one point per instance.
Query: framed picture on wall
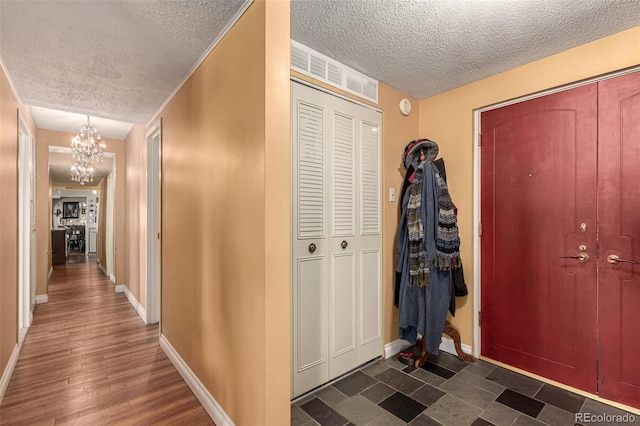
(71, 210)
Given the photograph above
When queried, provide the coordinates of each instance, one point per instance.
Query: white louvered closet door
(336, 297)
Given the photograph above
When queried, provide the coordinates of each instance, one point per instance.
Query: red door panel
(619, 218)
(538, 203)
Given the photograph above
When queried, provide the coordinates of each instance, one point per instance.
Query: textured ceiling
(121, 60)
(424, 47)
(113, 59)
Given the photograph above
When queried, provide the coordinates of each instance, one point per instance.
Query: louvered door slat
(343, 175)
(311, 187)
(370, 180)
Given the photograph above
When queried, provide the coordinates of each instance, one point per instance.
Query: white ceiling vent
(314, 64)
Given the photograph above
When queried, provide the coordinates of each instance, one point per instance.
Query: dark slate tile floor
(447, 391)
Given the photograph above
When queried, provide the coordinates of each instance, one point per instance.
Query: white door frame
(110, 226)
(24, 229)
(154, 240)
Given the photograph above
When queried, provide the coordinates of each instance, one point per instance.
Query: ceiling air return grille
(314, 64)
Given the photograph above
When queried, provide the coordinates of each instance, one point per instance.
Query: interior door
(538, 244)
(336, 306)
(619, 217)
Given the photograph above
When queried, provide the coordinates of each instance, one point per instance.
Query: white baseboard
(392, 348)
(121, 288)
(209, 403)
(50, 272)
(112, 278)
(42, 298)
(22, 334)
(447, 345)
(103, 269)
(8, 371)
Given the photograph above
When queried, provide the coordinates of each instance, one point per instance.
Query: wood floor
(89, 359)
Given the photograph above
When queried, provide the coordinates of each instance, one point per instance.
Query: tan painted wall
(8, 220)
(448, 119)
(136, 213)
(225, 215)
(277, 219)
(45, 139)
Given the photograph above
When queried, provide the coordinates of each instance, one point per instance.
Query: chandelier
(88, 149)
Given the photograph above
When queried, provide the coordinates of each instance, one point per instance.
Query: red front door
(538, 207)
(619, 218)
(560, 193)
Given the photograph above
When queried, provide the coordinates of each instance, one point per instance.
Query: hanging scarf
(418, 261)
(447, 239)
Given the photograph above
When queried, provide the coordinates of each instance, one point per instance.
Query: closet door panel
(369, 240)
(342, 314)
(370, 179)
(311, 302)
(370, 304)
(310, 354)
(342, 245)
(343, 173)
(311, 169)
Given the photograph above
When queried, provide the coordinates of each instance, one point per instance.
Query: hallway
(89, 359)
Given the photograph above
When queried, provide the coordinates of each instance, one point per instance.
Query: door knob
(344, 244)
(312, 248)
(580, 257)
(613, 258)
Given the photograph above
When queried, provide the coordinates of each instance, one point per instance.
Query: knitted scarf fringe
(418, 260)
(447, 238)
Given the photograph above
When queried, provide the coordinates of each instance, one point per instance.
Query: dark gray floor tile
(479, 368)
(331, 396)
(453, 411)
(386, 419)
(400, 381)
(409, 369)
(393, 362)
(378, 392)
(514, 381)
(298, 416)
(481, 422)
(438, 370)
(359, 410)
(524, 420)
(499, 414)
(520, 402)
(468, 392)
(424, 420)
(323, 414)
(427, 377)
(376, 368)
(592, 406)
(403, 407)
(449, 361)
(561, 398)
(480, 382)
(355, 383)
(427, 395)
(555, 416)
